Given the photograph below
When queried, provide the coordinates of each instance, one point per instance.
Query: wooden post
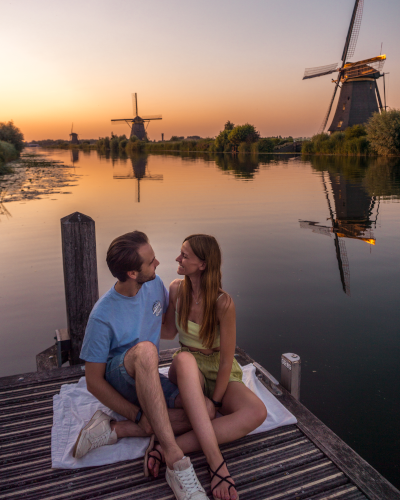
(291, 373)
(80, 276)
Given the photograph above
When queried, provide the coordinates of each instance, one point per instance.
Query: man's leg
(141, 363)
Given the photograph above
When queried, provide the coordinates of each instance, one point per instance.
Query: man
(121, 353)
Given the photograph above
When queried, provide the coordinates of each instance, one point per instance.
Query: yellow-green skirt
(208, 364)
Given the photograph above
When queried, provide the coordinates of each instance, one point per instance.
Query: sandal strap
(155, 458)
(222, 479)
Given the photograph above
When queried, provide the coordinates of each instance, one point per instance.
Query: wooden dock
(302, 461)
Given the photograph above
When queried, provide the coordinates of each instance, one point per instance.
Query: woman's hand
(227, 325)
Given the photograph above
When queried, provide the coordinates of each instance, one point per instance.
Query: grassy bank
(7, 153)
(379, 137)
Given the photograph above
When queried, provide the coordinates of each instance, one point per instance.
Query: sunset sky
(196, 63)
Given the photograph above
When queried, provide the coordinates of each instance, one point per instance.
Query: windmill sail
(320, 71)
(354, 30)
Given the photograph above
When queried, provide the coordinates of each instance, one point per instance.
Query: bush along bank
(7, 153)
(380, 136)
(11, 144)
(120, 144)
(240, 139)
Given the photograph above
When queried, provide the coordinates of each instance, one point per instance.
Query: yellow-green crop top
(191, 337)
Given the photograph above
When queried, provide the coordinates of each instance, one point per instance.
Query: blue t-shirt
(117, 322)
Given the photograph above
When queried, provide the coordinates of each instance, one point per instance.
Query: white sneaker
(184, 482)
(95, 434)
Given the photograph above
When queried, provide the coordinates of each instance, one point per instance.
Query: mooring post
(291, 373)
(80, 276)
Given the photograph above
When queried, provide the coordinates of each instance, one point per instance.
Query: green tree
(222, 141)
(229, 125)
(383, 132)
(12, 134)
(243, 133)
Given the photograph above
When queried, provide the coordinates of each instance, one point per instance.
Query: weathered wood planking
(278, 465)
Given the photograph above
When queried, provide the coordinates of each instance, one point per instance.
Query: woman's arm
(227, 324)
(168, 328)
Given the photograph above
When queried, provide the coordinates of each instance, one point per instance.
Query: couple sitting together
(178, 412)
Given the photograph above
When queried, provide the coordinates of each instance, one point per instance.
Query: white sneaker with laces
(184, 482)
(95, 434)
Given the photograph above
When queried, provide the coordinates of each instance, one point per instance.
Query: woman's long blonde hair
(206, 248)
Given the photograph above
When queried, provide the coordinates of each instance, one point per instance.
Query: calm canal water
(311, 257)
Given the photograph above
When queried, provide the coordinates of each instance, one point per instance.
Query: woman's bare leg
(185, 374)
(243, 412)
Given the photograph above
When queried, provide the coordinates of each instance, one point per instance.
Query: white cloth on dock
(75, 406)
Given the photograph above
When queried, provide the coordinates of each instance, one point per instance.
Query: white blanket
(75, 406)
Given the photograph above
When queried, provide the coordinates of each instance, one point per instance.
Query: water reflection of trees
(380, 177)
(242, 166)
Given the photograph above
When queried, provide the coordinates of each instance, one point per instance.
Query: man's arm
(106, 394)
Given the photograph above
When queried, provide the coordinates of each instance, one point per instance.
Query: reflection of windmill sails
(352, 219)
(135, 171)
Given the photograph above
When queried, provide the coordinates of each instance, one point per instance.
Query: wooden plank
(32, 378)
(47, 359)
(370, 482)
(307, 460)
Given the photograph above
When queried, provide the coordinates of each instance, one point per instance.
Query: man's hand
(144, 424)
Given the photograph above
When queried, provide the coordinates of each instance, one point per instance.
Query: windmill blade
(324, 230)
(322, 128)
(343, 263)
(151, 117)
(354, 30)
(320, 71)
(134, 104)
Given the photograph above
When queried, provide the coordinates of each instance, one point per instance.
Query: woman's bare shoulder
(174, 287)
(225, 302)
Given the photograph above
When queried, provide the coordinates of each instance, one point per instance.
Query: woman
(204, 316)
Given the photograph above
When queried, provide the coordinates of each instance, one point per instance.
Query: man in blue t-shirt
(120, 349)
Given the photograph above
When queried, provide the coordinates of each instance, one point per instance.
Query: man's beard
(141, 279)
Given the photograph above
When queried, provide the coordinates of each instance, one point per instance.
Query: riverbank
(8, 153)
(34, 176)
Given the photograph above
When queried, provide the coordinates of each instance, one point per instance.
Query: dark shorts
(117, 376)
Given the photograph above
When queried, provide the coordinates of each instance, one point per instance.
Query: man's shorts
(117, 376)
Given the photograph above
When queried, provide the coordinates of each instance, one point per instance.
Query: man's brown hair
(123, 254)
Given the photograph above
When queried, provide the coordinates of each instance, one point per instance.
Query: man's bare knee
(211, 410)
(142, 355)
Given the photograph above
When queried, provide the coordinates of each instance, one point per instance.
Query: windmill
(74, 137)
(359, 94)
(136, 124)
(351, 219)
(138, 171)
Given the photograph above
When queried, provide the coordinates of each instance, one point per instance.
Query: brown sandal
(150, 449)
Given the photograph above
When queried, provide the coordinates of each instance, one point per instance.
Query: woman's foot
(222, 485)
(155, 458)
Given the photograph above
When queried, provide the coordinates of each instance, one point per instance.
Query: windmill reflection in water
(352, 217)
(138, 169)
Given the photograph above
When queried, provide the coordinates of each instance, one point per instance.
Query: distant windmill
(136, 124)
(359, 94)
(74, 137)
(351, 219)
